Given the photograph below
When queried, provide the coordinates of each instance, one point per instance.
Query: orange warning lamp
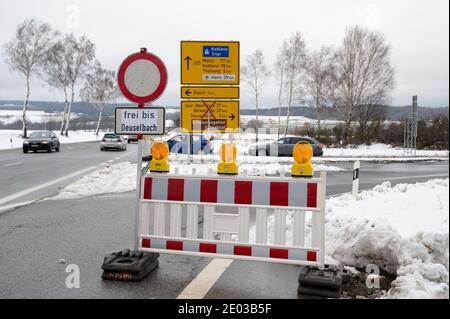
(159, 162)
(228, 154)
(302, 153)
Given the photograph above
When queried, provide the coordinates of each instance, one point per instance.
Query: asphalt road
(22, 172)
(35, 237)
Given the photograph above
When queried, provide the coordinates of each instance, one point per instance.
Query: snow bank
(403, 229)
(117, 178)
(378, 150)
(12, 138)
(121, 177)
(253, 165)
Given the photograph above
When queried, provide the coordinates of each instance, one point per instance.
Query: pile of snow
(252, 165)
(403, 229)
(117, 178)
(121, 177)
(13, 138)
(379, 150)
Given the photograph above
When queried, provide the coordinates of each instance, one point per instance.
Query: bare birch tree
(295, 56)
(320, 70)
(255, 74)
(280, 76)
(366, 76)
(25, 53)
(79, 57)
(56, 71)
(99, 89)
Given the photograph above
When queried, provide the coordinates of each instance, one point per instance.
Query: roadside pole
(138, 191)
(355, 186)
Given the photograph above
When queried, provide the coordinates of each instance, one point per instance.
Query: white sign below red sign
(144, 121)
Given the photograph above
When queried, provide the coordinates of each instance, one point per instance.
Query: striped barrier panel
(234, 217)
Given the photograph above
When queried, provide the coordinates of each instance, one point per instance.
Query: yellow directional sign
(209, 92)
(209, 62)
(199, 116)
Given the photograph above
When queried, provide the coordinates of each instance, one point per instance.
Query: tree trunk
(64, 117)
(99, 120)
(256, 124)
(319, 124)
(289, 108)
(24, 110)
(346, 131)
(318, 102)
(69, 110)
(279, 118)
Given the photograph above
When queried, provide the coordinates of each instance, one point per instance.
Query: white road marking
(13, 164)
(38, 187)
(110, 161)
(101, 164)
(199, 287)
(116, 158)
(10, 206)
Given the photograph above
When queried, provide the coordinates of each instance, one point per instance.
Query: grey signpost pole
(138, 193)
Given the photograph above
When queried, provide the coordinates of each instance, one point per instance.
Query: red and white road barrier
(226, 204)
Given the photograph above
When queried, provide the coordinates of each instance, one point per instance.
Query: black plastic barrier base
(129, 265)
(326, 282)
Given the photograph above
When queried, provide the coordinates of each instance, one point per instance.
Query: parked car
(132, 138)
(180, 144)
(284, 147)
(112, 141)
(41, 140)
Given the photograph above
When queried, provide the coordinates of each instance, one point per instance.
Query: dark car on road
(284, 147)
(41, 141)
(180, 144)
(132, 138)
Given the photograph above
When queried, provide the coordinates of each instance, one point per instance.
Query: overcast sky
(418, 31)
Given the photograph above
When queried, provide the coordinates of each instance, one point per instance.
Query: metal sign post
(355, 184)
(142, 78)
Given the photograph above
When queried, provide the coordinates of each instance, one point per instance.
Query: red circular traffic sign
(142, 77)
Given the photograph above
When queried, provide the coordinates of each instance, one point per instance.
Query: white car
(112, 141)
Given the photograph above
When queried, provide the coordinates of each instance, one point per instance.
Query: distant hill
(395, 113)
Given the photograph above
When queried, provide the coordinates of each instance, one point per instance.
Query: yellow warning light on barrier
(159, 162)
(302, 153)
(227, 165)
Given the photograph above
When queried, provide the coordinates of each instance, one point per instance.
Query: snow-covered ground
(11, 116)
(379, 150)
(117, 178)
(403, 229)
(12, 138)
(121, 177)
(294, 121)
(374, 152)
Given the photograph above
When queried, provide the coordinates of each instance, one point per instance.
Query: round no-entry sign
(142, 77)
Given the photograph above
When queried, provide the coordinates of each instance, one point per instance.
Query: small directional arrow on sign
(188, 92)
(232, 116)
(187, 59)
